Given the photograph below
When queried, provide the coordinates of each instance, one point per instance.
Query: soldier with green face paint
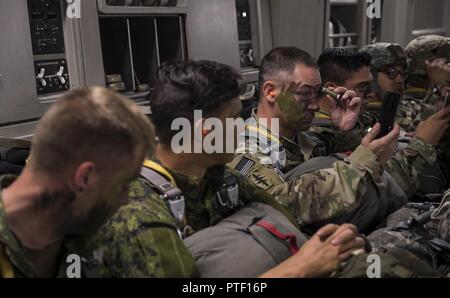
(290, 81)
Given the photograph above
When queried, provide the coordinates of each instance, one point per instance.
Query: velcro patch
(244, 166)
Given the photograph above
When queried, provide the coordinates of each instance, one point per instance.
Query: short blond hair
(89, 124)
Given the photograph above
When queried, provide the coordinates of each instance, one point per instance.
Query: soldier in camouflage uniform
(419, 100)
(421, 91)
(142, 239)
(323, 194)
(388, 66)
(351, 70)
(69, 188)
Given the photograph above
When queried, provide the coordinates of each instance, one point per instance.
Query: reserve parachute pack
(257, 228)
(246, 244)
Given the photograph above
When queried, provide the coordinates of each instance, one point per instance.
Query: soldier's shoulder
(251, 172)
(145, 209)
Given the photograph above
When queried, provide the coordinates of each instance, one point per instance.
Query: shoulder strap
(160, 169)
(164, 183)
(6, 268)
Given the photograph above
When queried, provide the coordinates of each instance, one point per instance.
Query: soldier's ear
(199, 130)
(270, 91)
(83, 177)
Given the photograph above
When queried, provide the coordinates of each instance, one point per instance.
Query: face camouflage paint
(293, 111)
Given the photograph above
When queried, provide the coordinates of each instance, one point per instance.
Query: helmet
(384, 53)
(427, 47)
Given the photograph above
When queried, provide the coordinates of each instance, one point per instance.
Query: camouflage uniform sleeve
(328, 193)
(321, 194)
(141, 241)
(251, 193)
(406, 165)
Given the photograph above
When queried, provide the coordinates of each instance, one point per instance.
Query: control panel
(47, 39)
(51, 76)
(46, 26)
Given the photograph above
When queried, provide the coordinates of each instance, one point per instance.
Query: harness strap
(291, 238)
(172, 195)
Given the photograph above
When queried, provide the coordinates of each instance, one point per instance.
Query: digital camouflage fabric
(141, 239)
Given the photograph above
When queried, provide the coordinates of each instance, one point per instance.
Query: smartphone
(388, 112)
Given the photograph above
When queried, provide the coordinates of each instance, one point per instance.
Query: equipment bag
(246, 244)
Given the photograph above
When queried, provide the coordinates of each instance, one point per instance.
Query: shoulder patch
(244, 166)
(261, 181)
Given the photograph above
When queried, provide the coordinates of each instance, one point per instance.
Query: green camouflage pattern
(141, 239)
(383, 54)
(10, 244)
(428, 47)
